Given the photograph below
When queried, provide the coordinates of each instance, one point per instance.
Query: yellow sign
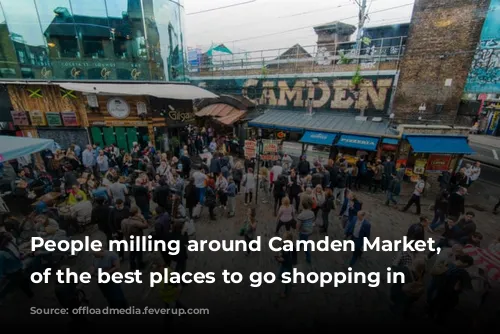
(494, 120)
(420, 166)
(37, 118)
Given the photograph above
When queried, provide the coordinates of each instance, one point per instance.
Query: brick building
(442, 39)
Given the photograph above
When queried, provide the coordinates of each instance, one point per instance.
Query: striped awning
(223, 113)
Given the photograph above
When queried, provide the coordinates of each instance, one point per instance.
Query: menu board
(53, 118)
(37, 118)
(250, 149)
(20, 118)
(69, 118)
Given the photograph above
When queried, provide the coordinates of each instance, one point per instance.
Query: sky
(241, 27)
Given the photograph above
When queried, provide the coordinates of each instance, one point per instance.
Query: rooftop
(320, 121)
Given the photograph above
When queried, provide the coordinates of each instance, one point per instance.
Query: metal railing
(378, 54)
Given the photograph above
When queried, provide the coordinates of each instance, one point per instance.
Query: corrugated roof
(222, 112)
(319, 121)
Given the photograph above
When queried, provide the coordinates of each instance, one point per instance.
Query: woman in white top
(249, 184)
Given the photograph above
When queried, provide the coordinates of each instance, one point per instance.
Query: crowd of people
(124, 194)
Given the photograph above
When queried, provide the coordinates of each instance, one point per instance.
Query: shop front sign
(37, 118)
(363, 142)
(118, 108)
(53, 118)
(438, 162)
(178, 116)
(69, 118)
(281, 135)
(20, 118)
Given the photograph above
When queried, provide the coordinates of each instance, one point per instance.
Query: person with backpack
(287, 259)
(393, 190)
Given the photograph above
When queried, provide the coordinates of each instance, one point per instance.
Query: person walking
(327, 207)
(249, 184)
(417, 193)
(358, 229)
(230, 192)
(305, 222)
(250, 228)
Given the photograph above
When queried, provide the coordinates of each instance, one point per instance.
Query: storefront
(322, 143)
(353, 146)
(47, 111)
(427, 155)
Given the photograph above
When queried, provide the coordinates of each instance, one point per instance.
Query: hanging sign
(37, 118)
(20, 118)
(92, 101)
(69, 118)
(270, 146)
(141, 108)
(438, 162)
(250, 149)
(53, 118)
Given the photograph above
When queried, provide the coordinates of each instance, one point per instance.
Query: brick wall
(441, 44)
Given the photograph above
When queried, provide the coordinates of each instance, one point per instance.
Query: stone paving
(238, 301)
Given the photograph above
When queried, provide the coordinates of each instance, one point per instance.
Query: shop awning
(223, 113)
(318, 138)
(320, 121)
(390, 141)
(14, 147)
(358, 142)
(439, 144)
(177, 91)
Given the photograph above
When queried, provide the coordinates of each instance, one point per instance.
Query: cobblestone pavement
(238, 302)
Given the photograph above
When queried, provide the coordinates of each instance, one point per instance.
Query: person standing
(305, 222)
(474, 173)
(109, 262)
(285, 216)
(417, 193)
(190, 196)
(327, 207)
(250, 227)
(200, 182)
(249, 184)
(230, 192)
(134, 226)
(358, 229)
(456, 206)
(440, 210)
(340, 185)
(102, 162)
(393, 190)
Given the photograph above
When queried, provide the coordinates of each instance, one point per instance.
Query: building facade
(121, 40)
(482, 90)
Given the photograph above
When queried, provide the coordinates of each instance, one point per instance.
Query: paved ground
(308, 306)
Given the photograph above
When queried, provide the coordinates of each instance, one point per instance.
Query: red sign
(69, 118)
(20, 118)
(438, 162)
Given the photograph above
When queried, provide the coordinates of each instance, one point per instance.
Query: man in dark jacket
(456, 206)
(389, 169)
(100, 217)
(116, 216)
(215, 165)
(304, 166)
(161, 194)
(440, 210)
(417, 231)
(190, 196)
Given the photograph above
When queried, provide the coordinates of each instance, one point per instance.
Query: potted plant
(357, 79)
(175, 144)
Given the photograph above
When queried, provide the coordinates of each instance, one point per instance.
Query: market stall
(426, 154)
(352, 147)
(15, 147)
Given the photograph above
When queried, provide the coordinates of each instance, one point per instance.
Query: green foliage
(344, 60)
(175, 142)
(357, 78)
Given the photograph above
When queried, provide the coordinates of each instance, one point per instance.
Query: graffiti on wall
(484, 75)
(331, 94)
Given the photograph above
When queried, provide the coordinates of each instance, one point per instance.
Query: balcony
(376, 55)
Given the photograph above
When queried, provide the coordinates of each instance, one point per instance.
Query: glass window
(92, 26)
(166, 39)
(56, 21)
